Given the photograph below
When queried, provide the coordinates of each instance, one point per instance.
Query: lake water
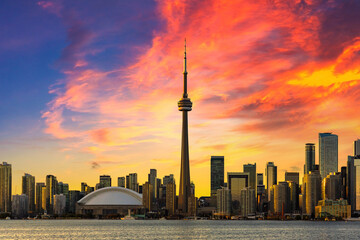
(173, 229)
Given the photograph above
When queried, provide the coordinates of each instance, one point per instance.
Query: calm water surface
(163, 229)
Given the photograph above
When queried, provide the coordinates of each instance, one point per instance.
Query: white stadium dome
(107, 196)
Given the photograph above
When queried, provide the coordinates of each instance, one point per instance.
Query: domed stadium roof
(112, 196)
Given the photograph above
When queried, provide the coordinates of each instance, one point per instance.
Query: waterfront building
(217, 174)
(74, 197)
(236, 182)
(132, 182)
(171, 197)
(20, 206)
(109, 201)
(312, 188)
(353, 183)
(247, 203)
(185, 105)
(105, 181)
(59, 204)
(38, 198)
(261, 198)
(51, 190)
(332, 208)
(223, 200)
(357, 148)
(294, 196)
(281, 198)
(328, 153)
(292, 176)
(271, 176)
(331, 187)
(5, 187)
(28, 188)
(309, 157)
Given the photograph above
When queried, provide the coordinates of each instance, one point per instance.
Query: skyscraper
(5, 187)
(292, 176)
(260, 179)
(353, 181)
(152, 180)
(38, 199)
(357, 148)
(28, 188)
(217, 174)
(121, 182)
(148, 195)
(312, 188)
(105, 181)
(236, 182)
(184, 105)
(251, 169)
(131, 182)
(51, 190)
(328, 153)
(331, 186)
(309, 157)
(271, 176)
(281, 198)
(171, 196)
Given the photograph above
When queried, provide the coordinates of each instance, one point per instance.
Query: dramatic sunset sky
(91, 87)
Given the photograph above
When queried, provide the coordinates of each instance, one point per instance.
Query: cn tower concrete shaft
(184, 105)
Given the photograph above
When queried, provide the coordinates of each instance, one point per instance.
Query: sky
(91, 87)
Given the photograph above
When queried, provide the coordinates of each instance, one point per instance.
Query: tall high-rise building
(28, 188)
(131, 182)
(343, 182)
(292, 176)
(148, 195)
(59, 204)
(5, 187)
(217, 174)
(168, 179)
(152, 180)
(121, 182)
(51, 190)
(20, 205)
(357, 148)
(251, 169)
(331, 186)
(236, 182)
(260, 179)
(312, 188)
(271, 176)
(74, 197)
(247, 203)
(294, 196)
(309, 157)
(353, 182)
(83, 186)
(38, 198)
(328, 153)
(184, 105)
(105, 181)
(43, 198)
(171, 197)
(223, 201)
(281, 198)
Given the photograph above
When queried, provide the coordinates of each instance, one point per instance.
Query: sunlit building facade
(309, 157)
(328, 153)
(271, 176)
(217, 174)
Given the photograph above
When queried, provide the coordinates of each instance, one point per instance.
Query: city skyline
(84, 93)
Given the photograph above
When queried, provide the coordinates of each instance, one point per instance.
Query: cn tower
(184, 105)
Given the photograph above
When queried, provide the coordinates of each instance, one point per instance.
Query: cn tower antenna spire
(185, 95)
